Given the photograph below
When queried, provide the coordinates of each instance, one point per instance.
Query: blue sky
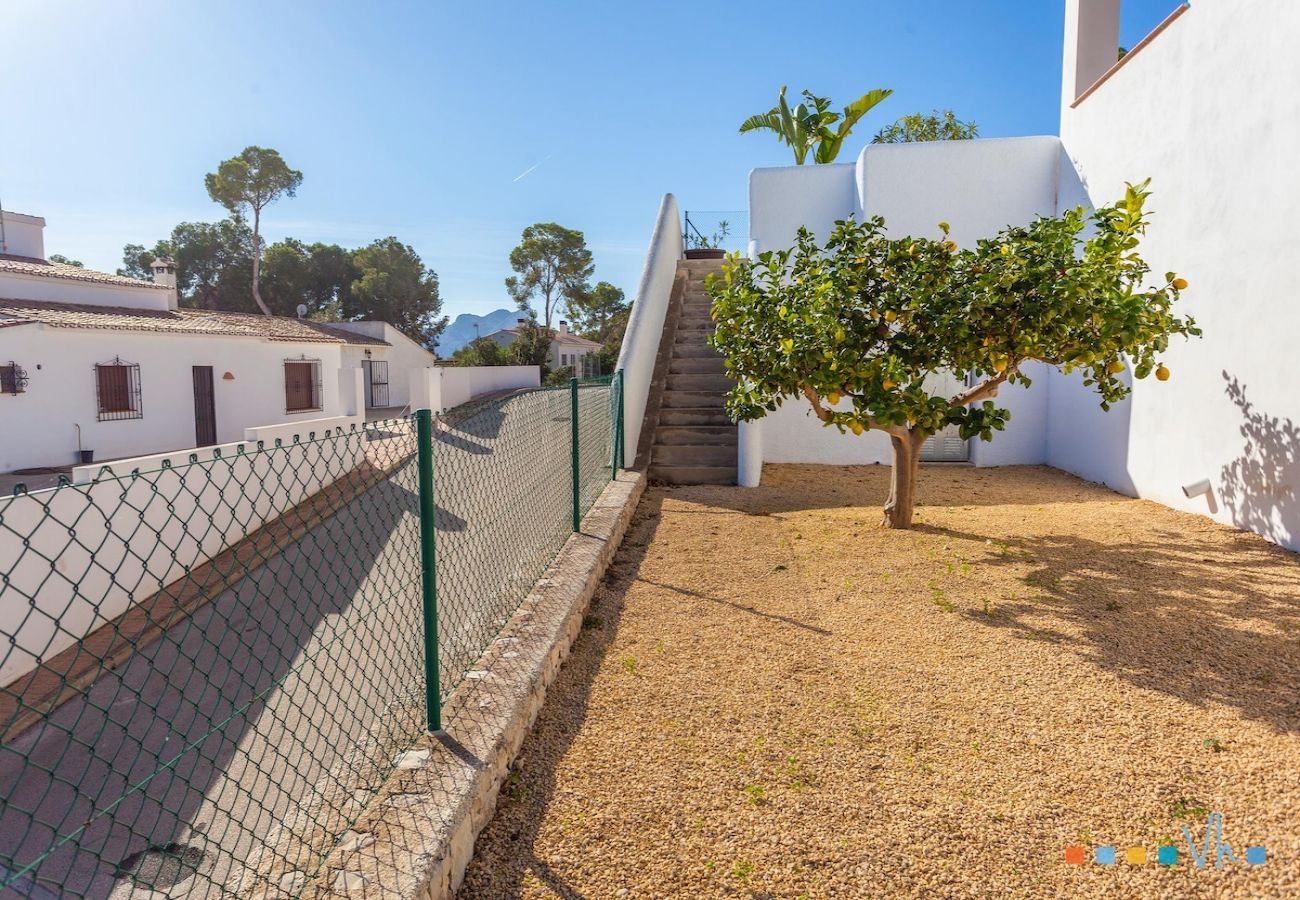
(416, 119)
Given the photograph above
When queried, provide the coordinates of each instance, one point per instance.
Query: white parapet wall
(646, 325)
(125, 530)
(440, 388)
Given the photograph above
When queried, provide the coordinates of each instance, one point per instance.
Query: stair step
(699, 382)
(696, 349)
(693, 399)
(694, 474)
(696, 435)
(703, 325)
(697, 365)
(692, 455)
(693, 415)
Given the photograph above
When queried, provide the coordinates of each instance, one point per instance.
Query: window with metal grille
(117, 390)
(13, 378)
(302, 385)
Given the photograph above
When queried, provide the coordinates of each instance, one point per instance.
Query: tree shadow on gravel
(504, 854)
(1203, 621)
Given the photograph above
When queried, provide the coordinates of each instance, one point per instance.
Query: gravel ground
(774, 697)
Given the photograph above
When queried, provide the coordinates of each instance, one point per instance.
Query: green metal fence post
(573, 419)
(429, 572)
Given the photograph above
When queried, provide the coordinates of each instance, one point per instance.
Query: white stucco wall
(37, 427)
(1207, 111)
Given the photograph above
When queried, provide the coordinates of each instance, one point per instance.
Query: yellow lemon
(890, 315)
(833, 397)
(1162, 374)
(1115, 368)
(889, 385)
(855, 427)
(1180, 283)
(950, 246)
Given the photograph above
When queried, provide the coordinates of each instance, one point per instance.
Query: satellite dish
(302, 310)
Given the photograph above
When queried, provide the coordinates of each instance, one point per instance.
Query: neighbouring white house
(99, 366)
(1192, 107)
(567, 349)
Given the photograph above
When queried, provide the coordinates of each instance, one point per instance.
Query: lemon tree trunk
(902, 485)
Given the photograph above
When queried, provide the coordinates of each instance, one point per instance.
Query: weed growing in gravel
(1213, 745)
(755, 794)
(629, 663)
(1112, 606)
(709, 867)
(939, 599)
(590, 622)
(1183, 808)
(742, 869)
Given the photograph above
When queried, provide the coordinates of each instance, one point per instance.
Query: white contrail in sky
(526, 171)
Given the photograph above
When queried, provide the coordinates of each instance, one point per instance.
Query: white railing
(646, 325)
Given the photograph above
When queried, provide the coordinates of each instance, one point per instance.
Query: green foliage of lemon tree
(859, 327)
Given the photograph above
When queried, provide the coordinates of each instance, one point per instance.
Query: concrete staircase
(694, 441)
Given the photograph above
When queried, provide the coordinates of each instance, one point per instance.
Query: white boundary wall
(646, 325)
(440, 388)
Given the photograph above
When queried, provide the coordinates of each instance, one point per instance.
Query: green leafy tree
(533, 345)
(319, 276)
(937, 126)
(811, 126)
(60, 258)
(213, 263)
(595, 313)
(601, 314)
(483, 352)
(859, 327)
(552, 265)
(251, 181)
(392, 284)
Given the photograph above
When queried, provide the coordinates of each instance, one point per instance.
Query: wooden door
(205, 407)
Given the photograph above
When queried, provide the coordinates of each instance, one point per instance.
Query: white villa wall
(1207, 111)
(37, 427)
(403, 356)
(646, 324)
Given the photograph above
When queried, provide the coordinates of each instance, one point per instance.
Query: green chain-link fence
(210, 668)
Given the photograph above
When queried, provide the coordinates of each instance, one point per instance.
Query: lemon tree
(855, 326)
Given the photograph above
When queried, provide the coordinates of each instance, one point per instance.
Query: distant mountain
(461, 332)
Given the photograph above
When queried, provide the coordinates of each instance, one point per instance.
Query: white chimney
(164, 273)
(564, 327)
(22, 235)
(1091, 44)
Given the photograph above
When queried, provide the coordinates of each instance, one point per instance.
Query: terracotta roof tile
(27, 265)
(180, 321)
